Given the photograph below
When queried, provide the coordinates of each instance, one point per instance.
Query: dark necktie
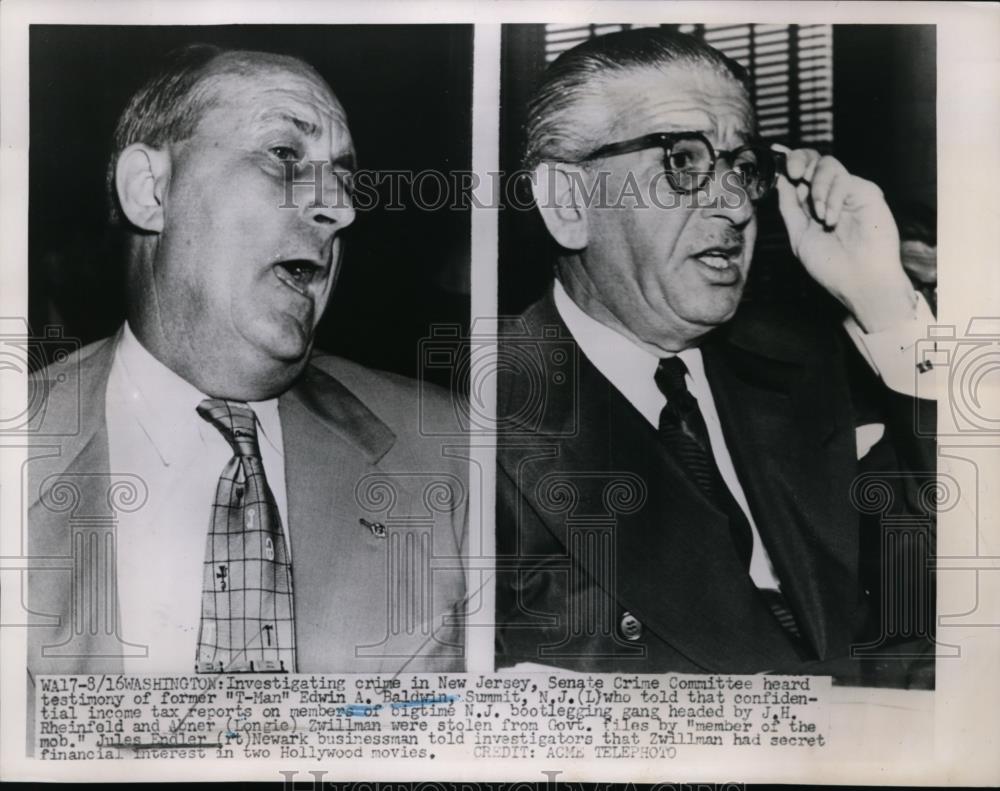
(683, 431)
(247, 612)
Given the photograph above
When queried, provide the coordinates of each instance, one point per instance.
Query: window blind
(791, 68)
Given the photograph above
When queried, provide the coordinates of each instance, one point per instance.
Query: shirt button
(630, 626)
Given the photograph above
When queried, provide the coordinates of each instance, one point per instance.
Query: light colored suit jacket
(367, 599)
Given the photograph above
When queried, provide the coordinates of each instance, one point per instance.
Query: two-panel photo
(258, 394)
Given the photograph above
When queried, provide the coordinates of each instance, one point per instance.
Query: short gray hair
(557, 128)
(169, 105)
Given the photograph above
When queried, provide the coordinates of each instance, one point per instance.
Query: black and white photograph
(692, 488)
(426, 395)
(234, 459)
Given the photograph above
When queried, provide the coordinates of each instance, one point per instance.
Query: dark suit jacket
(611, 559)
(353, 450)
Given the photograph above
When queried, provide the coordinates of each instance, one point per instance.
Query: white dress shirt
(631, 369)
(891, 353)
(155, 433)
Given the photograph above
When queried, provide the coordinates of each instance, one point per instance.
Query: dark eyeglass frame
(666, 141)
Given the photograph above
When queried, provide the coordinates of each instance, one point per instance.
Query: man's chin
(708, 316)
(267, 378)
(283, 362)
(263, 368)
(286, 339)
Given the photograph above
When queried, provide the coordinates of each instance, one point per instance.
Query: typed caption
(424, 716)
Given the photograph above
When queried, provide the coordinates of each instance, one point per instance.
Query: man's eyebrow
(743, 134)
(306, 127)
(673, 127)
(346, 160)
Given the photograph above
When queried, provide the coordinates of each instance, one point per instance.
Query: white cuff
(903, 354)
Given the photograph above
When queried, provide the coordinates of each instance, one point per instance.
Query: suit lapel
(795, 460)
(676, 570)
(332, 441)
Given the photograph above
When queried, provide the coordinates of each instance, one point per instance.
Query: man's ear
(141, 177)
(558, 190)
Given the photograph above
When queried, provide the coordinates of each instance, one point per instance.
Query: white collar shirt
(631, 369)
(156, 434)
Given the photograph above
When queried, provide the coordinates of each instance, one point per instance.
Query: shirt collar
(165, 404)
(628, 366)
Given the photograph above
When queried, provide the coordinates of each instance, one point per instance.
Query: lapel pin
(377, 528)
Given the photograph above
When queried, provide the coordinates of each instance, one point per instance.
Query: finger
(791, 206)
(839, 190)
(811, 169)
(864, 192)
(802, 194)
(827, 169)
(784, 151)
(798, 162)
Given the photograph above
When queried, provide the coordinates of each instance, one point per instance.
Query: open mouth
(720, 258)
(298, 274)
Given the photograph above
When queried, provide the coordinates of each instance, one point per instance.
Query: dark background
(884, 125)
(407, 90)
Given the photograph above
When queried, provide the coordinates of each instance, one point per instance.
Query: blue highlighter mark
(367, 709)
(407, 704)
(361, 709)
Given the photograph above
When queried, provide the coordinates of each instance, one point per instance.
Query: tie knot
(670, 377)
(236, 421)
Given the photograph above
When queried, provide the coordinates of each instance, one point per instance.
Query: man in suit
(230, 177)
(681, 480)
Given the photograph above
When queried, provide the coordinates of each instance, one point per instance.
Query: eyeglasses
(689, 161)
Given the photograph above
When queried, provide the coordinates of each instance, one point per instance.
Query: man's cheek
(665, 247)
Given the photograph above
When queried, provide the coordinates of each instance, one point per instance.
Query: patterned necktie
(247, 612)
(683, 431)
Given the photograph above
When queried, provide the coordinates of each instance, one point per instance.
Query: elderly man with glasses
(681, 481)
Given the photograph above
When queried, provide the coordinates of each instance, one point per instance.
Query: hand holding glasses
(838, 225)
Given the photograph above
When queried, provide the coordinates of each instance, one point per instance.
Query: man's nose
(329, 204)
(727, 198)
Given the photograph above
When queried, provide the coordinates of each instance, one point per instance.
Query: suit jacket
(366, 599)
(611, 559)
